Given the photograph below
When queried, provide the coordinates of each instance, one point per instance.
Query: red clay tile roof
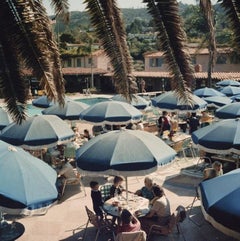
(198, 75)
(157, 74)
(83, 71)
(191, 51)
(74, 71)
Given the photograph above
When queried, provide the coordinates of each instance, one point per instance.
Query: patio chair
(102, 225)
(190, 210)
(176, 218)
(131, 236)
(74, 181)
(105, 191)
(203, 161)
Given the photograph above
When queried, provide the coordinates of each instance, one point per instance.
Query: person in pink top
(128, 222)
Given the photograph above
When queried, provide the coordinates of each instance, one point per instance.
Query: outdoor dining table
(113, 206)
(176, 138)
(227, 158)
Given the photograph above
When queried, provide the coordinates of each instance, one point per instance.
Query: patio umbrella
(70, 111)
(170, 102)
(217, 101)
(27, 184)
(221, 137)
(123, 152)
(220, 202)
(231, 90)
(38, 132)
(111, 113)
(235, 98)
(230, 82)
(5, 118)
(229, 111)
(206, 92)
(42, 102)
(137, 101)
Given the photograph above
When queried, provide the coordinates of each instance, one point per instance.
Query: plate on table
(142, 212)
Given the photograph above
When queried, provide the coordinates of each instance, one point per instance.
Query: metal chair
(105, 191)
(74, 181)
(131, 236)
(176, 218)
(102, 225)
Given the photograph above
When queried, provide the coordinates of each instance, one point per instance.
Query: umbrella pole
(126, 188)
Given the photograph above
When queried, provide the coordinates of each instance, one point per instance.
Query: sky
(77, 5)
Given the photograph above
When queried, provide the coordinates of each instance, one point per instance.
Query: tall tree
(107, 19)
(172, 39)
(26, 40)
(207, 9)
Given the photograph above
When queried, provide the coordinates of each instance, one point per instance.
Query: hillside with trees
(141, 32)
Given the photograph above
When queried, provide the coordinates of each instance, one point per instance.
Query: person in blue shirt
(146, 190)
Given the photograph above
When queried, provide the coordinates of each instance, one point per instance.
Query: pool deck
(62, 219)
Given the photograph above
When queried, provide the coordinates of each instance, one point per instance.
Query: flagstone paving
(62, 219)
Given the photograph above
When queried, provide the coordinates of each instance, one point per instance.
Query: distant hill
(81, 19)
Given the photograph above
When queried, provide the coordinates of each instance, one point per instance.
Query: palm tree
(172, 40)
(207, 10)
(26, 41)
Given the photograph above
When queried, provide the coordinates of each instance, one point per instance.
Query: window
(156, 62)
(159, 62)
(221, 59)
(193, 59)
(69, 63)
(79, 63)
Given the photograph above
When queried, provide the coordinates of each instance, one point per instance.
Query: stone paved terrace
(60, 220)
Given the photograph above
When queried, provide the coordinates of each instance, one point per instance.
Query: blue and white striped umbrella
(217, 101)
(38, 132)
(228, 82)
(111, 113)
(137, 101)
(169, 101)
(70, 111)
(207, 92)
(27, 184)
(229, 111)
(123, 152)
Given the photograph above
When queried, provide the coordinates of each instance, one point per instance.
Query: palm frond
(26, 23)
(172, 38)
(61, 8)
(12, 81)
(107, 20)
(232, 10)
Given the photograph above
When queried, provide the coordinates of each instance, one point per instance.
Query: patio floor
(62, 219)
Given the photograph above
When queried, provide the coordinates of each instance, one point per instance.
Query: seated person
(96, 198)
(116, 188)
(146, 191)
(205, 119)
(159, 212)
(218, 167)
(209, 173)
(128, 222)
(64, 171)
(86, 135)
